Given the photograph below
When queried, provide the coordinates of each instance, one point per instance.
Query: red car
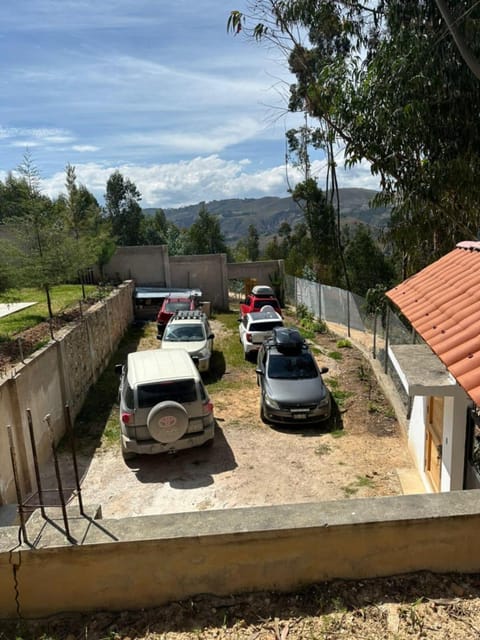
(261, 296)
(169, 307)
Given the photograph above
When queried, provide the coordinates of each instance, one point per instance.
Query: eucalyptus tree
(385, 80)
(123, 210)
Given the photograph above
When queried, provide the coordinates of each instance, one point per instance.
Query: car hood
(301, 391)
(191, 347)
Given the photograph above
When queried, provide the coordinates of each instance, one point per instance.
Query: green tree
(38, 246)
(205, 235)
(83, 219)
(366, 263)
(252, 243)
(123, 210)
(319, 217)
(385, 80)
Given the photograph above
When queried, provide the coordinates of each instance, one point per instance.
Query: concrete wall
(147, 561)
(147, 265)
(261, 270)
(152, 266)
(61, 373)
(208, 273)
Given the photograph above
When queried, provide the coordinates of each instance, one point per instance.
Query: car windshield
(177, 306)
(291, 367)
(184, 333)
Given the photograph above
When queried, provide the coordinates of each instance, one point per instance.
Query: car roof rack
(287, 340)
(194, 314)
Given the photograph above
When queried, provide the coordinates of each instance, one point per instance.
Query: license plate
(299, 416)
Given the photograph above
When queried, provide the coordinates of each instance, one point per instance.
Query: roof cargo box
(262, 290)
(288, 339)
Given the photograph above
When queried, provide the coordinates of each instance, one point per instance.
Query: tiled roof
(442, 303)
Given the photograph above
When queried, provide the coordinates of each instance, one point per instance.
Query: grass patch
(361, 481)
(344, 344)
(323, 449)
(62, 297)
(97, 422)
(335, 355)
(338, 394)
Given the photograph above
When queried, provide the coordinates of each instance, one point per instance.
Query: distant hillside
(268, 213)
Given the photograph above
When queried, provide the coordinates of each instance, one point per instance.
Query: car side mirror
(324, 370)
(159, 337)
(119, 369)
(259, 372)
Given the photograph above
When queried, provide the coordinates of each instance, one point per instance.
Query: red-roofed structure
(442, 375)
(442, 303)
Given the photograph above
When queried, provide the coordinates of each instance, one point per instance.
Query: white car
(190, 330)
(164, 406)
(256, 327)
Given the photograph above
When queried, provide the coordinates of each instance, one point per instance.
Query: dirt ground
(358, 453)
(361, 452)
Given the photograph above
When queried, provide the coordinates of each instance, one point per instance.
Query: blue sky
(158, 90)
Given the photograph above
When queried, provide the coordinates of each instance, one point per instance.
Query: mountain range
(268, 213)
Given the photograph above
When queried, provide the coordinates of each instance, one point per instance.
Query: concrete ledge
(147, 561)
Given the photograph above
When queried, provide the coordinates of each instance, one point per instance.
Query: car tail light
(207, 408)
(248, 337)
(126, 417)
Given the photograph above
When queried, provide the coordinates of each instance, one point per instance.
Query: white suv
(256, 327)
(190, 330)
(164, 406)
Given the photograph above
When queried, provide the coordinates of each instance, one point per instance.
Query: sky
(156, 89)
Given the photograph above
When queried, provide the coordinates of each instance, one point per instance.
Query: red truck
(261, 296)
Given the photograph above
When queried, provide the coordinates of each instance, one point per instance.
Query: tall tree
(37, 244)
(123, 210)
(385, 80)
(205, 234)
(320, 222)
(252, 243)
(367, 265)
(83, 219)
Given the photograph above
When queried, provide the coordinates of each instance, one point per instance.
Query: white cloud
(85, 148)
(200, 179)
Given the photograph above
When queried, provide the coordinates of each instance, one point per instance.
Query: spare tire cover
(167, 421)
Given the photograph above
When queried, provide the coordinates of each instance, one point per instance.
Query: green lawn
(62, 296)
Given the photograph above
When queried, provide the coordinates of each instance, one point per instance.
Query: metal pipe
(71, 435)
(47, 419)
(17, 484)
(35, 461)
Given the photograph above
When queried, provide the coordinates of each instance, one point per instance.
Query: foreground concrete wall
(147, 561)
(61, 373)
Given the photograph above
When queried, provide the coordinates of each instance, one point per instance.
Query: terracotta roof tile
(442, 303)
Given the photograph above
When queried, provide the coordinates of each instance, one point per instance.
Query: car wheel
(263, 417)
(128, 455)
(167, 421)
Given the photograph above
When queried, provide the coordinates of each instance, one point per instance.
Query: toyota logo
(168, 421)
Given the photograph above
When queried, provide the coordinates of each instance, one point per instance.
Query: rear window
(178, 391)
(265, 326)
(177, 306)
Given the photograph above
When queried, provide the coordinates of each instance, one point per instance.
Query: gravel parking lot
(360, 452)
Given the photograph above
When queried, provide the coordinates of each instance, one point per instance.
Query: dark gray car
(291, 384)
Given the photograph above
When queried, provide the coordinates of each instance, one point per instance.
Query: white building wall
(416, 434)
(453, 447)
